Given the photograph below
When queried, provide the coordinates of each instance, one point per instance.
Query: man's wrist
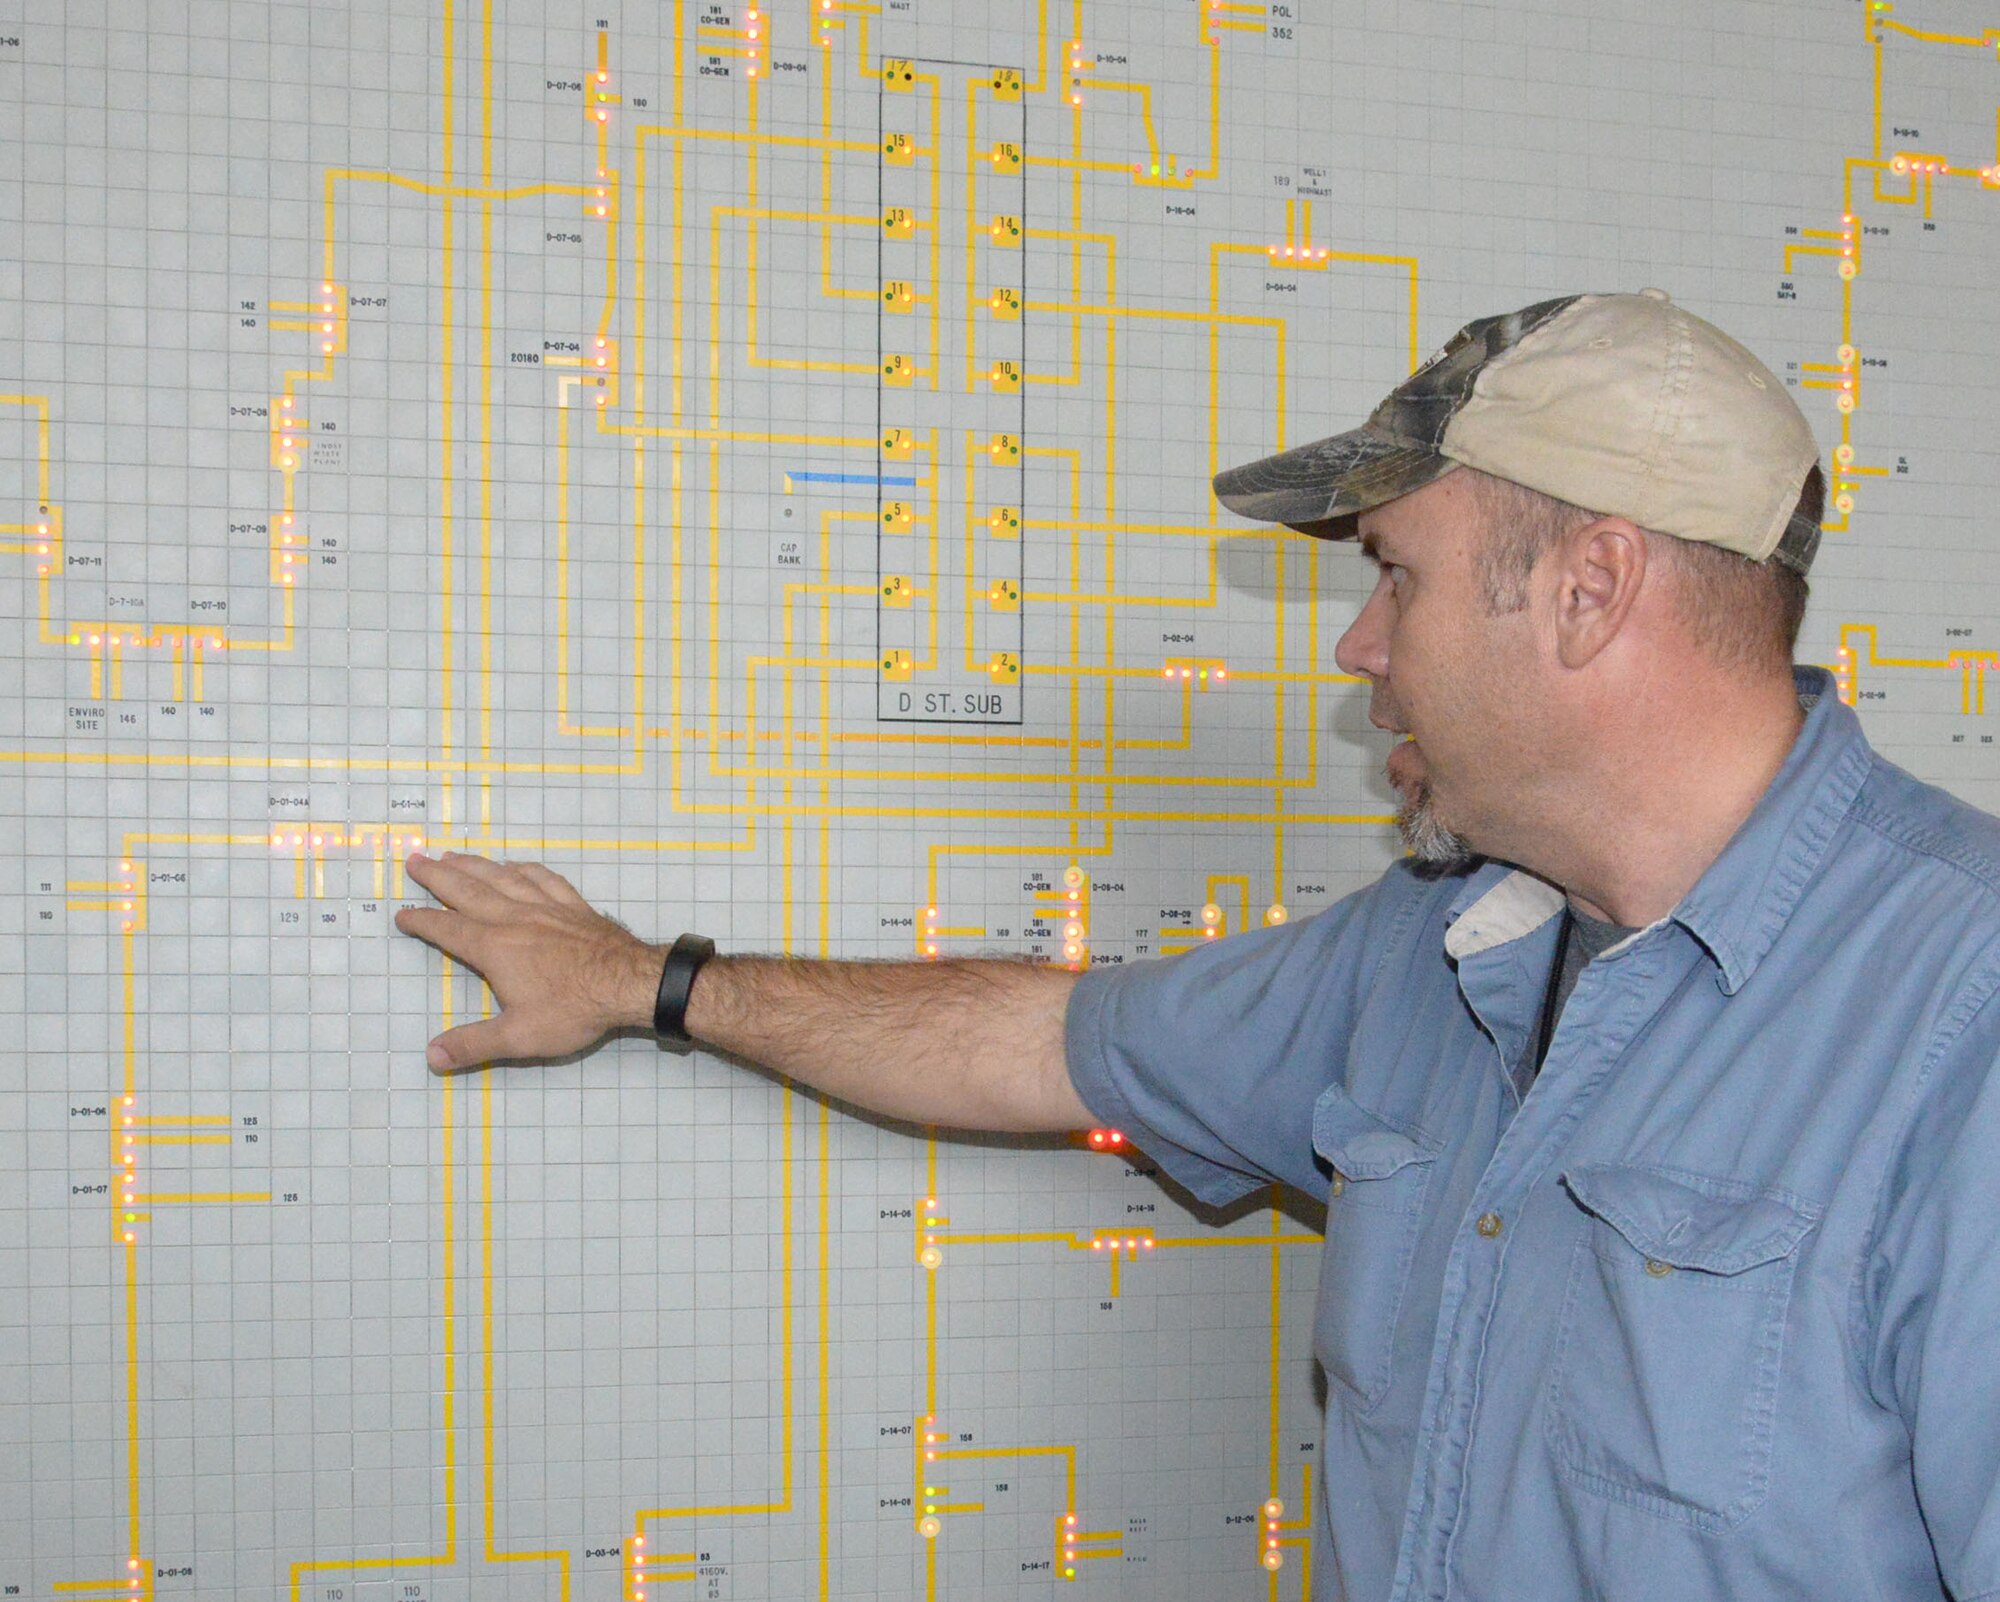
(632, 984)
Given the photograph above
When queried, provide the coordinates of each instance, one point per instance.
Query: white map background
(780, 503)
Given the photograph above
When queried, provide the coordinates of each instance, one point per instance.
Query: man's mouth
(1406, 759)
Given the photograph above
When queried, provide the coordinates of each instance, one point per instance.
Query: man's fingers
(445, 877)
(495, 878)
(451, 933)
(467, 1046)
(550, 883)
(504, 877)
(462, 887)
(556, 968)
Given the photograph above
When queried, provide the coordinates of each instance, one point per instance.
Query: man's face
(1457, 680)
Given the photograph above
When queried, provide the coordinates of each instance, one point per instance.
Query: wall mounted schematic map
(757, 461)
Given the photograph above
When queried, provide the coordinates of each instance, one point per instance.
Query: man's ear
(1600, 570)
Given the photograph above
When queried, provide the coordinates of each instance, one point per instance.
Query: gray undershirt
(1584, 939)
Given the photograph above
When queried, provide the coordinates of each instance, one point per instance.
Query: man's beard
(1426, 839)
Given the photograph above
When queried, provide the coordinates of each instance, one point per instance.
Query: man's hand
(563, 974)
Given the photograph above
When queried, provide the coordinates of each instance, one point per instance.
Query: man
(1651, 1096)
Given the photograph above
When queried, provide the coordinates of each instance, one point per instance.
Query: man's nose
(1364, 648)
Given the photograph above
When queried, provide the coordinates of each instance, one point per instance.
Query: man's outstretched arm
(970, 1044)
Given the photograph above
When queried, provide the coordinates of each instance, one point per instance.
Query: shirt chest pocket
(1374, 1212)
(1663, 1393)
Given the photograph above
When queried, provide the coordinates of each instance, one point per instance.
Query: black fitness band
(684, 959)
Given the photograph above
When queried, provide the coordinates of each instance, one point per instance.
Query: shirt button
(1339, 1184)
(1658, 1269)
(1488, 1225)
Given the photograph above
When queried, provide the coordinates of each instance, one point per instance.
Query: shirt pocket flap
(1360, 1145)
(1671, 1221)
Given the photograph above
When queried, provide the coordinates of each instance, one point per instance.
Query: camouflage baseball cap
(1625, 404)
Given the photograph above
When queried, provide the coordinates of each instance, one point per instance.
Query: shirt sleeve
(1934, 1286)
(1211, 1062)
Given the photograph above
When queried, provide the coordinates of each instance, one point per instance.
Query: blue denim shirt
(1713, 1311)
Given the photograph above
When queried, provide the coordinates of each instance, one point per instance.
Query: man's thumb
(468, 1046)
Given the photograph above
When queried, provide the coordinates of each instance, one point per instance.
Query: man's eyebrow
(1371, 545)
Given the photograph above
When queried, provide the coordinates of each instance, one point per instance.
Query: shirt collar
(1738, 906)
(1499, 903)
(1744, 897)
